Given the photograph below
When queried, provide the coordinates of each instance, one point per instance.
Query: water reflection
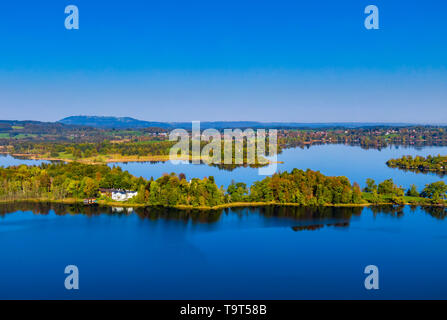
(421, 171)
(309, 218)
(239, 253)
(417, 145)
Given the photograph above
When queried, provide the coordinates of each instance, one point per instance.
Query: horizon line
(254, 121)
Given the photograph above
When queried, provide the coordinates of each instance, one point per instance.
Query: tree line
(431, 163)
(83, 142)
(59, 181)
(367, 137)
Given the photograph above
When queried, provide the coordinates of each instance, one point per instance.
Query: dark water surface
(250, 253)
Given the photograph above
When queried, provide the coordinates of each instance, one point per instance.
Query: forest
(76, 181)
(122, 151)
(430, 163)
(77, 151)
(57, 140)
(366, 137)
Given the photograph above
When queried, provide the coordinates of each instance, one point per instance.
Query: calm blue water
(262, 253)
(7, 160)
(334, 160)
(234, 254)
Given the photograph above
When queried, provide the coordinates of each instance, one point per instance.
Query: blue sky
(304, 61)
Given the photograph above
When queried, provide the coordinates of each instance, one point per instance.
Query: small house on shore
(90, 201)
(118, 194)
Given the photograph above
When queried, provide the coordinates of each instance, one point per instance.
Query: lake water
(334, 160)
(7, 160)
(250, 253)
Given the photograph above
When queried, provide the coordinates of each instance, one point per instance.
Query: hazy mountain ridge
(110, 122)
(128, 122)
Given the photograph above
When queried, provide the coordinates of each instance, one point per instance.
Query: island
(437, 164)
(74, 182)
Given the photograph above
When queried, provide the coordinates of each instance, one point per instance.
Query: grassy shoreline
(71, 183)
(208, 208)
(418, 170)
(97, 160)
(111, 158)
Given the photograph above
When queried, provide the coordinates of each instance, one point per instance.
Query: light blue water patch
(7, 160)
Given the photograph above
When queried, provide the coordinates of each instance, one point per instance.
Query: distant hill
(111, 122)
(127, 122)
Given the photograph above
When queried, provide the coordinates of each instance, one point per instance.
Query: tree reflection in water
(309, 218)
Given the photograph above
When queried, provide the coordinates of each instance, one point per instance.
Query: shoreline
(417, 170)
(208, 208)
(95, 160)
(113, 159)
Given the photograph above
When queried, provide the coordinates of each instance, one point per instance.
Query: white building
(123, 195)
(119, 195)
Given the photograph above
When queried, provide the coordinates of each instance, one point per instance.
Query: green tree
(370, 185)
(388, 187)
(237, 191)
(356, 193)
(435, 190)
(89, 187)
(413, 191)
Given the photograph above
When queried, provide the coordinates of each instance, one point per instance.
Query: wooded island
(437, 164)
(73, 182)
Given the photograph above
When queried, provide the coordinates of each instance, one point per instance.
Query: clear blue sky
(304, 61)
